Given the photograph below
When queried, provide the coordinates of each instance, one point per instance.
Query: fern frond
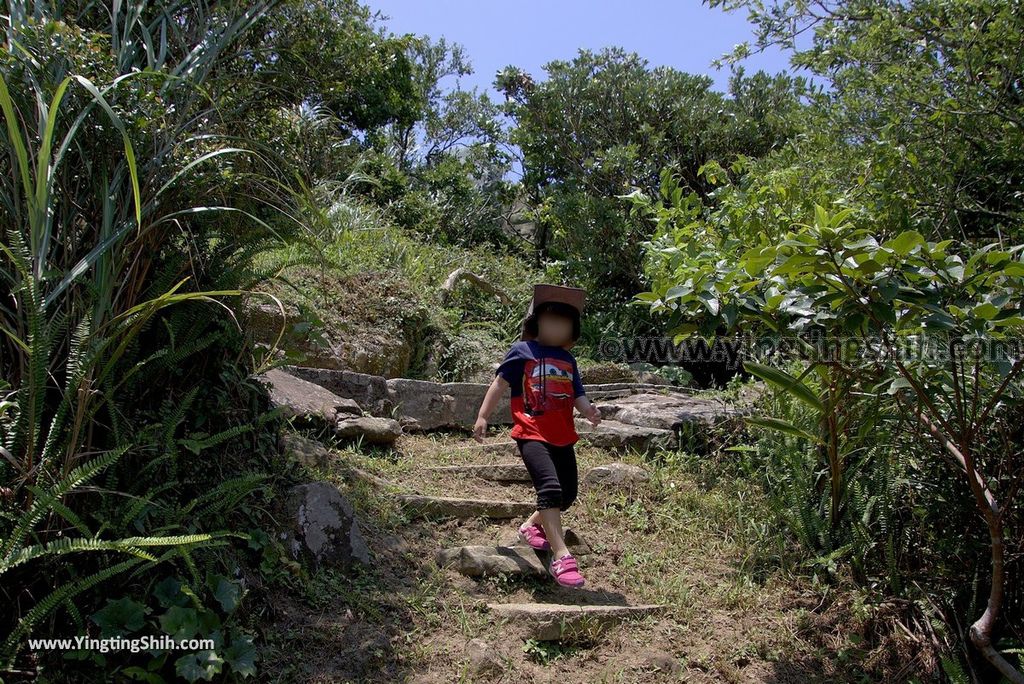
(60, 547)
(30, 518)
(226, 495)
(58, 507)
(66, 592)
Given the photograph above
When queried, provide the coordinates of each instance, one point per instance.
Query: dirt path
(664, 542)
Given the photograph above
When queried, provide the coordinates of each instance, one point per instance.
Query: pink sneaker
(534, 536)
(564, 571)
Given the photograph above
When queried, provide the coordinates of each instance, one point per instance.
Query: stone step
(496, 472)
(443, 506)
(554, 621)
(619, 436)
(501, 448)
(516, 558)
(481, 561)
(311, 404)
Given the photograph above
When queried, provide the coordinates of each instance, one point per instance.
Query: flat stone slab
(516, 558)
(371, 429)
(306, 451)
(613, 434)
(554, 621)
(497, 472)
(616, 474)
(667, 412)
(297, 397)
(491, 448)
(369, 391)
(426, 405)
(443, 506)
(479, 561)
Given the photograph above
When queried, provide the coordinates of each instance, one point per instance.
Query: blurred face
(553, 330)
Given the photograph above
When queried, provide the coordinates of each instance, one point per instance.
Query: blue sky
(683, 34)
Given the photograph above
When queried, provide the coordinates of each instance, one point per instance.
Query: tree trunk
(981, 630)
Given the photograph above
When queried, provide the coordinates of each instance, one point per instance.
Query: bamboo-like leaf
(196, 162)
(785, 382)
(17, 141)
(129, 151)
(84, 264)
(44, 181)
(782, 426)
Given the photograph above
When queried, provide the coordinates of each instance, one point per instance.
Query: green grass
(697, 537)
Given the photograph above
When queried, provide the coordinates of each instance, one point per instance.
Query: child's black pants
(553, 471)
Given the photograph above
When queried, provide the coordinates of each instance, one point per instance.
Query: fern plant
(117, 374)
(15, 552)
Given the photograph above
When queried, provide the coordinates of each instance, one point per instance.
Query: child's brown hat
(542, 293)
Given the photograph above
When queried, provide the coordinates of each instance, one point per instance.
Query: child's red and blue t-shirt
(545, 382)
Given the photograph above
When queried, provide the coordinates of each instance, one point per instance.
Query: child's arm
(589, 411)
(494, 392)
(583, 404)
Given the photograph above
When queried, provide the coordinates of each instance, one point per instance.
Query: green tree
(934, 85)
(445, 169)
(606, 122)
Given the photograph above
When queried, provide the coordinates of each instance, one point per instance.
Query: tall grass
(111, 246)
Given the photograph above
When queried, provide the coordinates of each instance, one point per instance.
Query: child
(545, 386)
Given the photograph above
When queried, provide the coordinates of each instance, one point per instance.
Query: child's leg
(564, 459)
(541, 466)
(551, 519)
(568, 476)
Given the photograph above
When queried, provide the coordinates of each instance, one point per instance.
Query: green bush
(895, 335)
(135, 441)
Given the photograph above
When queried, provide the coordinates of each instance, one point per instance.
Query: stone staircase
(634, 417)
(579, 611)
(496, 549)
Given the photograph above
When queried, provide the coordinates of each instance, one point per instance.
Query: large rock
(479, 561)
(694, 422)
(616, 475)
(370, 428)
(308, 452)
(321, 527)
(612, 434)
(370, 391)
(416, 404)
(425, 405)
(667, 411)
(450, 507)
(306, 400)
(516, 558)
